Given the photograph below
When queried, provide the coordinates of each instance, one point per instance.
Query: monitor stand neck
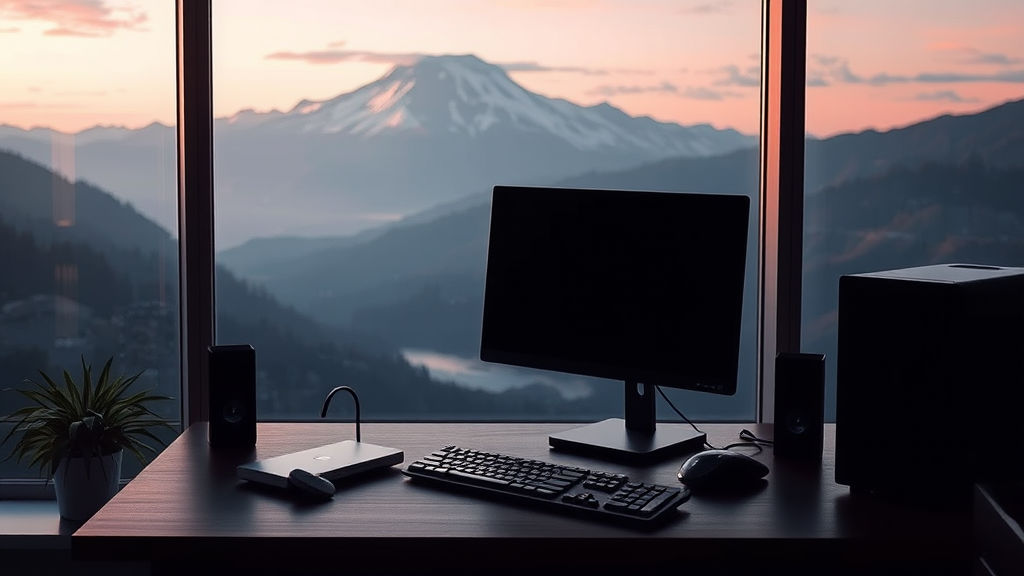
(640, 408)
(635, 439)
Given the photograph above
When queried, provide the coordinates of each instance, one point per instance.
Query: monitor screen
(637, 286)
(627, 285)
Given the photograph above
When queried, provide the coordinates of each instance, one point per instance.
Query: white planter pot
(80, 493)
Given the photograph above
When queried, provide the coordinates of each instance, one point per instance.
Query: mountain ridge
(829, 161)
(124, 303)
(419, 135)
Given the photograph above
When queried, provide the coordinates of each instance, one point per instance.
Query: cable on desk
(749, 436)
(327, 402)
(749, 440)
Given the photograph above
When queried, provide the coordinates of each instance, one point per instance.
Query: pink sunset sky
(72, 64)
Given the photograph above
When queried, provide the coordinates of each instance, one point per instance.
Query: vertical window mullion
(783, 78)
(195, 203)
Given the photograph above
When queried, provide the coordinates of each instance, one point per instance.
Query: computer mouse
(310, 484)
(713, 469)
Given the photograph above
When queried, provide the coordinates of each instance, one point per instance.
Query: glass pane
(356, 146)
(914, 150)
(88, 209)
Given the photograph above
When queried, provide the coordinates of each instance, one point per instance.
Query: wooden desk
(187, 508)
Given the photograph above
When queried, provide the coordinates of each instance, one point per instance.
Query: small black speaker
(799, 405)
(232, 397)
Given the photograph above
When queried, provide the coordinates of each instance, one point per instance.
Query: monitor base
(611, 440)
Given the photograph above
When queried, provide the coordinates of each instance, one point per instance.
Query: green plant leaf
(91, 418)
(72, 393)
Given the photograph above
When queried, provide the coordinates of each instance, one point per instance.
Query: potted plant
(77, 432)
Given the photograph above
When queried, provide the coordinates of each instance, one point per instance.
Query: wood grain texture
(188, 502)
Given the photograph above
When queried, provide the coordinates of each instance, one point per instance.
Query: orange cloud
(82, 18)
(338, 56)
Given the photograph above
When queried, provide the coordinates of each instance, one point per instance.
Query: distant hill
(994, 136)
(907, 216)
(124, 303)
(51, 207)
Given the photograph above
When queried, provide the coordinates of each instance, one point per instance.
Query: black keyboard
(554, 486)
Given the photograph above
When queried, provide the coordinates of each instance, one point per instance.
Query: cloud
(749, 77)
(608, 90)
(832, 69)
(943, 96)
(338, 56)
(1009, 76)
(974, 56)
(970, 55)
(80, 18)
(702, 93)
(666, 87)
(335, 54)
(705, 8)
(536, 67)
(9, 30)
(883, 79)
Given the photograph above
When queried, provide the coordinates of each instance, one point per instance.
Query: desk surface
(189, 499)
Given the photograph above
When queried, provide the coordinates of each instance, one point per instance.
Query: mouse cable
(749, 440)
(750, 437)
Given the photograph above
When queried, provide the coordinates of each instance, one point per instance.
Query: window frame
(783, 63)
(34, 487)
(196, 251)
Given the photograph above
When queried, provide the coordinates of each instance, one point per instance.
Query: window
(913, 151)
(355, 148)
(88, 208)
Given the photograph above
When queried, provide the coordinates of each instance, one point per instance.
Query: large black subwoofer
(930, 380)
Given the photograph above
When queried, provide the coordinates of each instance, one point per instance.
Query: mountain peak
(461, 94)
(467, 60)
(464, 96)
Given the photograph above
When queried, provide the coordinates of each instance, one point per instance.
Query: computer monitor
(638, 286)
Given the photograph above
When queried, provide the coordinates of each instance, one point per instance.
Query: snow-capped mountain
(465, 95)
(426, 133)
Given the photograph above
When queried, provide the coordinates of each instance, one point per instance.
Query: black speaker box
(930, 380)
(799, 405)
(232, 397)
